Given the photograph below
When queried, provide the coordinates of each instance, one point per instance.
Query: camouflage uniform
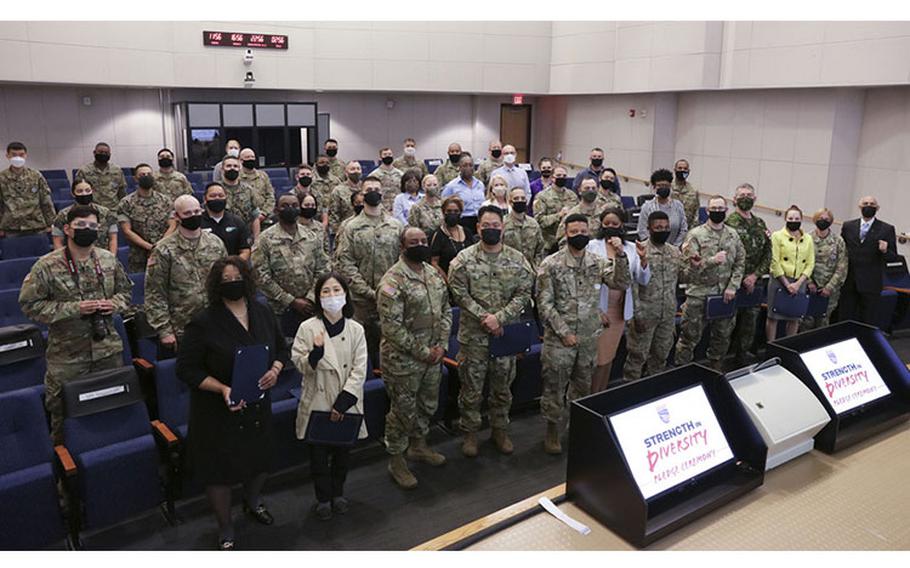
(686, 194)
(175, 280)
(391, 184)
(366, 249)
(242, 201)
(446, 172)
(50, 296)
(592, 211)
(108, 184)
(148, 217)
(708, 280)
(405, 163)
(486, 167)
(524, 235)
(26, 205)
(483, 283)
(649, 338)
(414, 316)
(172, 185)
(568, 299)
(107, 225)
(263, 192)
(425, 216)
(756, 241)
(336, 167)
(288, 265)
(340, 207)
(547, 206)
(830, 272)
(322, 189)
(609, 200)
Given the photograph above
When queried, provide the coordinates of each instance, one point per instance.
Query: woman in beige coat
(331, 352)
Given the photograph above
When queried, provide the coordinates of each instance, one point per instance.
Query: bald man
(263, 192)
(448, 170)
(870, 244)
(491, 162)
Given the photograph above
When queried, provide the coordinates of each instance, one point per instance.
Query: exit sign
(518, 99)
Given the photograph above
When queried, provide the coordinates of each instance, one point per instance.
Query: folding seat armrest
(164, 434)
(142, 364)
(66, 461)
(450, 362)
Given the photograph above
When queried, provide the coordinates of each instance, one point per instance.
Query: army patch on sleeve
(390, 291)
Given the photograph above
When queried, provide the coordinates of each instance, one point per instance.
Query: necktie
(863, 229)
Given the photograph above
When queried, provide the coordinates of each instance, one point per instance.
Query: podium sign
(845, 375)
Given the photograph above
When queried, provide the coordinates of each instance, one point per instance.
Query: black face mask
(102, 158)
(165, 162)
(231, 175)
(249, 164)
(663, 192)
(388, 160)
(308, 212)
(496, 153)
(794, 225)
(681, 175)
(560, 182)
(717, 217)
(519, 206)
(191, 223)
(331, 152)
(84, 199)
(146, 182)
(869, 211)
(417, 253)
(355, 177)
(232, 291)
(607, 184)
(85, 237)
(454, 158)
(610, 232)
(578, 242)
(589, 196)
(305, 181)
(597, 162)
(216, 205)
(491, 236)
(323, 170)
(823, 224)
(358, 209)
(546, 173)
(452, 219)
(372, 198)
(289, 214)
(660, 237)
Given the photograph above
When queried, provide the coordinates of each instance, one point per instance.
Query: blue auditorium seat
(61, 204)
(20, 247)
(528, 385)
(10, 312)
(433, 164)
(375, 407)
(127, 171)
(123, 254)
(533, 174)
(367, 166)
(59, 186)
(13, 271)
(702, 215)
(22, 361)
(54, 174)
(194, 177)
(628, 202)
(138, 295)
(31, 517)
(289, 451)
(276, 173)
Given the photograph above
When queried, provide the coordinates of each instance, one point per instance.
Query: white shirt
(864, 227)
(639, 275)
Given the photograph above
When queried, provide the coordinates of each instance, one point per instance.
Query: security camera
(249, 79)
(248, 57)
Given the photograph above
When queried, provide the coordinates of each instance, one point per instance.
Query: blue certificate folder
(818, 306)
(716, 308)
(516, 338)
(794, 306)
(250, 363)
(321, 430)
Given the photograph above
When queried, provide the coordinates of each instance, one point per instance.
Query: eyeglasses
(92, 226)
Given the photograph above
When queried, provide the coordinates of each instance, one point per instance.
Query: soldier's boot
(500, 437)
(469, 445)
(418, 450)
(551, 443)
(398, 469)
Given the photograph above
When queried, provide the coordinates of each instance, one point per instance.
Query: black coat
(866, 262)
(227, 447)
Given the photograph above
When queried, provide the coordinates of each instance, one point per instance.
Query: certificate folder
(321, 430)
(790, 306)
(746, 300)
(516, 338)
(250, 363)
(818, 306)
(716, 308)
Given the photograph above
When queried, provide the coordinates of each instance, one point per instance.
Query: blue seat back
(13, 271)
(194, 177)
(20, 247)
(10, 312)
(628, 202)
(24, 437)
(173, 395)
(367, 166)
(433, 164)
(123, 254)
(702, 215)
(93, 431)
(54, 174)
(138, 293)
(23, 374)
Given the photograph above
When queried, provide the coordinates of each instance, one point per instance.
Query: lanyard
(74, 272)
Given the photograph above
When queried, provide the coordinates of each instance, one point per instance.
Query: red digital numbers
(237, 39)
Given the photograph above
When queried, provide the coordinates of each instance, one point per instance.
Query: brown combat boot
(551, 443)
(500, 437)
(418, 450)
(469, 445)
(398, 469)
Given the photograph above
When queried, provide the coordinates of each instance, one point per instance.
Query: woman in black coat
(230, 443)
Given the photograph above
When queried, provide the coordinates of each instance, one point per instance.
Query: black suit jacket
(866, 262)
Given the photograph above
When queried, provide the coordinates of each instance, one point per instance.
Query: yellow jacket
(792, 257)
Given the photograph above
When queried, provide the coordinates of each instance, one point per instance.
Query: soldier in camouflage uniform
(606, 191)
(177, 271)
(389, 176)
(323, 184)
(426, 214)
(409, 161)
(492, 284)
(340, 207)
(336, 166)
(241, 199)
(107, 220)
(490, 163)
(366, 249)
(448, 170)
(107, 178)
(649, 338)
(568, 299)
(288, 258)
(830, 267)
(25, 198)
(169, 181)
(66, 302)
(756, 241)
(685, 193)
(357, 207)
(415, 318)
(263, 191)
(552, 205)
(592, 204)
(714, 260)
(145, 217)
(521, 232)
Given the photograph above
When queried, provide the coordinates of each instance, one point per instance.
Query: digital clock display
(239, 39)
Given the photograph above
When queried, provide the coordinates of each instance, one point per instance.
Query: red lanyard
(74, 272)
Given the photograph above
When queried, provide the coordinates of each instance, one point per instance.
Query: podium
(651, 456)
(852, 370)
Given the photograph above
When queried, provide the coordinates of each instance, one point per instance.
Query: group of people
(363, 271)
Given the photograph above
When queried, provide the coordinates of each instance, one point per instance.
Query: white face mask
(509, 159)
(17, 161)
(499, 191)
(234, 152)
(410, 151)
(333, 304)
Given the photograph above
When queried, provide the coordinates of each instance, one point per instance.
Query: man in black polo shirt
(226, 226)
